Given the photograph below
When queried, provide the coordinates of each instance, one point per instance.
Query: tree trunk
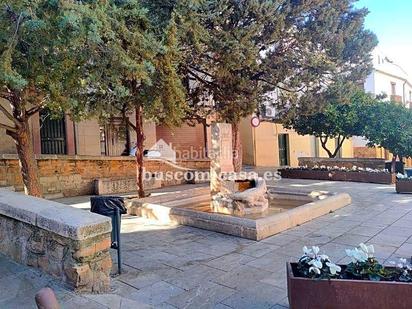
(127, 144)
(338, 146)
(237, 148)
(323, 142)
(402, 164)
(28, 163)
(139, 150)
(393, 165)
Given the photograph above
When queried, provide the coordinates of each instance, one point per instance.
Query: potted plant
(403, 184)
(316, 282)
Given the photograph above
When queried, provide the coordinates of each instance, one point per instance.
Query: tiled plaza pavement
(184, 267)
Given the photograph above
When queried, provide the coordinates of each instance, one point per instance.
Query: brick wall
(364, 152)
(187, 141)
(75, 175)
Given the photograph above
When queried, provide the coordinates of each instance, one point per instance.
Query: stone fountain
(238, 204)
(233, 193)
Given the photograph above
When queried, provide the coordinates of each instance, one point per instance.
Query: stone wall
(75, 175)
(70, 244)
(343, 162)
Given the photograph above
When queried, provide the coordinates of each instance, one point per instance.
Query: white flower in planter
(307, 251)
(357, 255)
(314, 270)
(402, 263)
(369, 250)
(333, 268)
(324, 257)
(401, 176)
(316, 263)
(312, 253)
(354, 168)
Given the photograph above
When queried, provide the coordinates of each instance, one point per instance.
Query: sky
(391, 21)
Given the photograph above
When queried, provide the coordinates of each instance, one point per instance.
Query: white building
(390, 79)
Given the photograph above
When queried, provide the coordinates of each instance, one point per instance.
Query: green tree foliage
(134, 69)
(389, 125)
(338, 120)
(41, 46)
(285, 52)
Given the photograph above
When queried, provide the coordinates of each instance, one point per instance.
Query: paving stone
(277, 278)
(351, 240)
(388, 239)
(366, 230)
(82, 302)
(317, 239)
(271, 262)
(241, 277)
(280, 239)
(204, 296)
(295, 249)
(334, 250)
(230, 261)
(258, 296)
(140, 279)
(405, 250)
(155, 294)
(258, 249)
(112, 301)
(398, 231)
(382, 252)
(8, 267)
(194, 276)
(221, 306)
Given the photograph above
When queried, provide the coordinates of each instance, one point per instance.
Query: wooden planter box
(368, 177)
(305, 293)
(404, 186)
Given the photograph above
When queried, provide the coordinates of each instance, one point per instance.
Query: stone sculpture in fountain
(231, 193)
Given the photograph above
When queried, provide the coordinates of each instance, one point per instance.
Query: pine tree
(136, 64)
(250, 52)
(42, 47)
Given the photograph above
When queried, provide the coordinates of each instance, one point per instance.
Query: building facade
(62, 136)
(270, 144)
(390, 81)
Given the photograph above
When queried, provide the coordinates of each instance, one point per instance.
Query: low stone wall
(75, 175)
(372, 163)
(68, 243)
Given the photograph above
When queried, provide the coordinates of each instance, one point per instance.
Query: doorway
(283, 142)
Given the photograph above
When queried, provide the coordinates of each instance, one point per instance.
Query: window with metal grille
(52, 133)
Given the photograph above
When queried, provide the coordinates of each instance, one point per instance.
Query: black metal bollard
(113, 207)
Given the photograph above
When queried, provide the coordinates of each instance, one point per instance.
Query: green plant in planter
(315, 265)
(404, 271)
(364, 265)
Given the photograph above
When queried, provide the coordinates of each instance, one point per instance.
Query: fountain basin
(286, 209)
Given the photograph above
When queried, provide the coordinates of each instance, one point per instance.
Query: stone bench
(122, 185)
(70, 244)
